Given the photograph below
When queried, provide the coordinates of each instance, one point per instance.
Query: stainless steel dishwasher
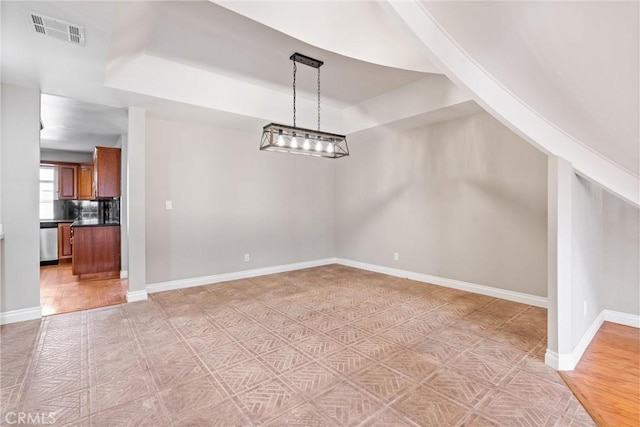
(48, 243)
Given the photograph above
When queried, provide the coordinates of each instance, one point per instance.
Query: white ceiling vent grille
(56, 28)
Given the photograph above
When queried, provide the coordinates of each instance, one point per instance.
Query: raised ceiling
(221, 60)
(572, 64)
(210, 37)
(365, 30)
(563, 75)
(163, 55)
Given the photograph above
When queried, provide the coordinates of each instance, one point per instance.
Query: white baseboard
(604, 316)
(584, 342)
(551, 359)
(450, 283)
(20, 315)
(124, 274)
(559, 362)
(133, 296)
(626, 319)
(225, 277)
(568, 362)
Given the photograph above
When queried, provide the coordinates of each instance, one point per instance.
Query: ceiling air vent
(56, 28)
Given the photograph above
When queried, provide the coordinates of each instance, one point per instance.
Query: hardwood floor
(62, 292)
(607, 379)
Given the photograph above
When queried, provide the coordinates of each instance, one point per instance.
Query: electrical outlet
(396, 256)
(168, 205)
(247, 257)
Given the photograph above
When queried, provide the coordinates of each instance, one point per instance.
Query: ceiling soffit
(196, 49)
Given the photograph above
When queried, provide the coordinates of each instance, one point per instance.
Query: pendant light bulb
(280, 139)
(306, 144)
(294, 142)
(330, 147)
(318, 145)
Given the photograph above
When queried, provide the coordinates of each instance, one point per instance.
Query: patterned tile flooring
(325, 346)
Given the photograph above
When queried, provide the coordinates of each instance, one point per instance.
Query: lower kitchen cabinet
(96, 249)
(65, 250)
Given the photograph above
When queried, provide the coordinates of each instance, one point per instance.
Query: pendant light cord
(295, 68)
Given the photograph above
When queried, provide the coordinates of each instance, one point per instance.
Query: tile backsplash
(86, 209)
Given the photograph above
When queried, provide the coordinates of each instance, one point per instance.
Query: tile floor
(62, 292)
(326, 346)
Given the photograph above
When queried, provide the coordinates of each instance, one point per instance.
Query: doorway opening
(83, 240)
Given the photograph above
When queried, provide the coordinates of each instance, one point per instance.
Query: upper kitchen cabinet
(106, 172)
(85, 181)
(68, 181)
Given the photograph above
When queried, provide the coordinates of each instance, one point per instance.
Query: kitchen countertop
(94, 223)
(56, 220)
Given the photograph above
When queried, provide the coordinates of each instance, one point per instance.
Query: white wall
(621, 255)
(20, 205)
(586, 254)
(230, 199)
(463, 199)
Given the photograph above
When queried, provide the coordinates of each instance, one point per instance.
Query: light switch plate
(168, 205)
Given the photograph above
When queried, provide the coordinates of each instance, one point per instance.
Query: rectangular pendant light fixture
(295, 140)
(288, 139)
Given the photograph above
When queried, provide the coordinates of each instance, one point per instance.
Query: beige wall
(586, 256)
(124, 207)
(463, 199)
(621, 255)
(605, 256)
(20, 205)
(230, 199)
(136, 156)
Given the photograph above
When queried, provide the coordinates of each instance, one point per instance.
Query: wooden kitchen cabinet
(106, 172)
(96, 250)
(67, 181)
(85, 181)
(65, 250)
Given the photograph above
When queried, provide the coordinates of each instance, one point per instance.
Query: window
(47, 191)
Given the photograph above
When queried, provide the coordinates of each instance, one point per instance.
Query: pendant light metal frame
(295, 140)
